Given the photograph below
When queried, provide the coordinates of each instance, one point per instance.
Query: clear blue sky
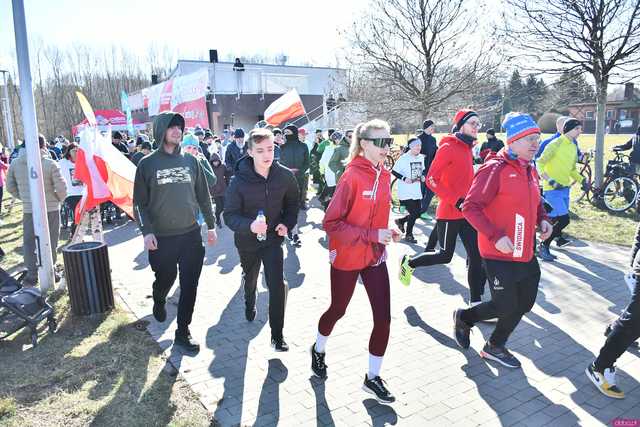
(306, 30)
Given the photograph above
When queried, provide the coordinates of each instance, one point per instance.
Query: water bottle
(261, 218)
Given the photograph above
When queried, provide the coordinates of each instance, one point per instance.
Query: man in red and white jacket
(450, 177)
(504, 206)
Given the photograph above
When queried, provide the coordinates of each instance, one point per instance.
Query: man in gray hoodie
(170, 189)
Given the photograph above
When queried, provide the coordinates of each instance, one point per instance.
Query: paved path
(243, 382)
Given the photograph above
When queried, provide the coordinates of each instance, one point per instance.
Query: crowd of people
(506, 201)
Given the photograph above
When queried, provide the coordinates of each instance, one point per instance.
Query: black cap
(238, 133)
(146, 145)
(570, 125)
(427, 123)
(116, 135)
(491, 131)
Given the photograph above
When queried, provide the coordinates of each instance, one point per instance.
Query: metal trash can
(88, 274)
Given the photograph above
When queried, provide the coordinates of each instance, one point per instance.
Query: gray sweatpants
(29, 242)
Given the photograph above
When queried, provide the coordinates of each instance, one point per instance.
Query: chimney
(628, 91)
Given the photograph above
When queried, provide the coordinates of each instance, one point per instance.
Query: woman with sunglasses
(450, 177)
(357, 225)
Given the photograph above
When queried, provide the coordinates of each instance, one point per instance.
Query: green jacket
(323, 145)
(558, 161)
(170, 189)
(338, 161)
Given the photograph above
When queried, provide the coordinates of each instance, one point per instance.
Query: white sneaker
(630, 280)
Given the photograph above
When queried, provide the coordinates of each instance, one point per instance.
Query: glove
(585, 185)
(553, 183)
(459, 204)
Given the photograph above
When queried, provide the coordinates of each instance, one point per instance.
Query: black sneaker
(159, 312)
(561, 242)
(376, 387)
(410, 239)
(250, 313)
(461, 330)
(186, 341)
(296, 241)
(400, 223)
(279, 344)
(500, 355)
(317, 363)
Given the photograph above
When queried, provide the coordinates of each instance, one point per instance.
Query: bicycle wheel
(586, 173)
(620, 194)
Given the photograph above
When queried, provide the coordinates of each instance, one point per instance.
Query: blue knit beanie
(518, 126)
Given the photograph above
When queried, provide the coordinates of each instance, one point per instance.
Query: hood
(455, 139)
(215, 157)
(161, 124)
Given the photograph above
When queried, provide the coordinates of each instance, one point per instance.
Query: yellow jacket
(558, 161)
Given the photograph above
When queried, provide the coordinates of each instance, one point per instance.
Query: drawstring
(375, 183)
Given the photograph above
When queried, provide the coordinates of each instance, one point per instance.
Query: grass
(101, 370)
(587, 221)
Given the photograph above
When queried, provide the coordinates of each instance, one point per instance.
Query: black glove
(459, 204)
(553, 183)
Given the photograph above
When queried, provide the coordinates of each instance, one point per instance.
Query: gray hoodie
(170, 189)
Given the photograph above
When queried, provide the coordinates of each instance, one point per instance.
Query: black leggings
(448, 231)
(559, 224)
(514, 286)
(413, 207)
(219, 200)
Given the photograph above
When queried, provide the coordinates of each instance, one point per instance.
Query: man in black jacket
(262, 185)
(492, 145)
(236, 150)
(295, 156)
(428, 149)
(169, 192)
(634, 145)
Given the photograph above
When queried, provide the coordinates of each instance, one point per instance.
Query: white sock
(375, 363)
(321, 342)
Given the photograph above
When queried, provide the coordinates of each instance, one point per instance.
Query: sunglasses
(380, 142)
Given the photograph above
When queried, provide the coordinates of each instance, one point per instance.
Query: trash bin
(88, 274)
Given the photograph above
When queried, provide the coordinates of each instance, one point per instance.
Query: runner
(557, 168)
(504, 205)
(356, 223)
(170, 189)
(428, 149)
(220, 187)
(329, 175)
(620, 335)
(314, 161)
(261, 185)
(450, 177)
(409, 170)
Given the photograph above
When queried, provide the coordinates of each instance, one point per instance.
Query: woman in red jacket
(450, 177)
(504, 205)
(357, 224)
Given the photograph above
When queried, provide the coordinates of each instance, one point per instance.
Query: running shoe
(545, 254)
(425, 216)
(406, 271)
(501, 355)
(376, 386)
(279, 344)
(604, 381)
(400, 223)
(461, 330)
(561, 242)
(630, 280)
(410, 239)
(186, 341)
(250, 313)
(317, 363)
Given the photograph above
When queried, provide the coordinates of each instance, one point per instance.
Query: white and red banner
(287, 107)
(105, 172)
(184, 94)
(108, 119)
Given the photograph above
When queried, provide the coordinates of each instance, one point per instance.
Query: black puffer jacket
(248, 193)
(295, 155)
(428, 147)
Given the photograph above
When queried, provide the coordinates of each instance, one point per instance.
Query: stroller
(22, 307)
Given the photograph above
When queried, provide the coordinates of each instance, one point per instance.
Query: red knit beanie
(461, 118)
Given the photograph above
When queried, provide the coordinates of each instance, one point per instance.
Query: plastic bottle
(261, 218)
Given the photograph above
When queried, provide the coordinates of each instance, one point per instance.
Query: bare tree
(416, 55)
(594, 37)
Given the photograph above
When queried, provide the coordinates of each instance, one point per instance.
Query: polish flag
(287, 107)
(107, 174)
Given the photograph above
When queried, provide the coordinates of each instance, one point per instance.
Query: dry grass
(99, 371)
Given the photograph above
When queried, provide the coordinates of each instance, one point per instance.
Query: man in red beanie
(450, 177)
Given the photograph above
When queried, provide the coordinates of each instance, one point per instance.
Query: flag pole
(34, 163)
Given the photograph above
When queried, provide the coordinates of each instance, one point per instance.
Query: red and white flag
(105, 172)
(287, 107)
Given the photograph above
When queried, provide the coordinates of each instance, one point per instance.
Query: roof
(616, 97)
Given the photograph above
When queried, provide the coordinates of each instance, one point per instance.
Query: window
(589, 115)
(622, 114)
(610, 114)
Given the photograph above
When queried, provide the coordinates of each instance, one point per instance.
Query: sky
(308, 31)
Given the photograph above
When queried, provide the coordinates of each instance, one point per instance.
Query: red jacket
(358, 209)
(450, 175)
(504, 200)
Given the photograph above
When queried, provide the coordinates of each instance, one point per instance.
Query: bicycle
(619, 190)
(585, 171)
